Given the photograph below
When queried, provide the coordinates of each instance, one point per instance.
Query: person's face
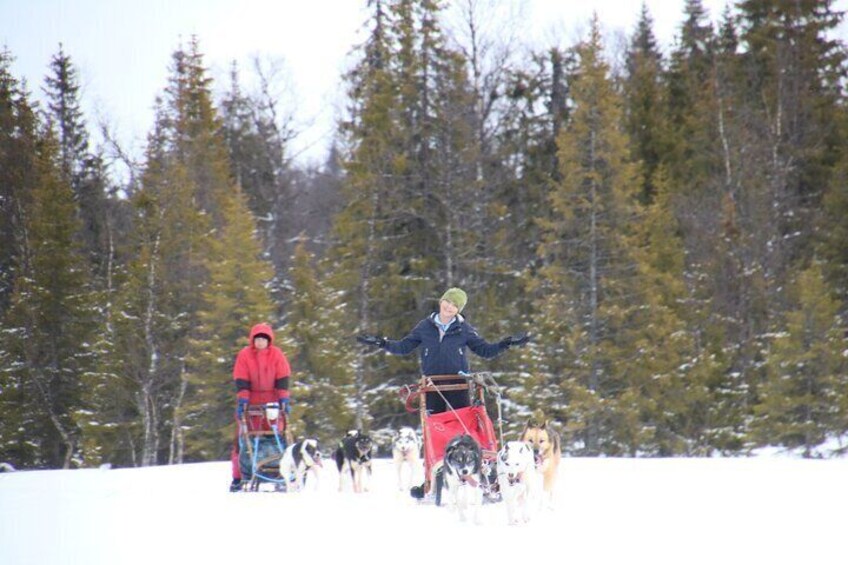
(260, 342)
(447, 310)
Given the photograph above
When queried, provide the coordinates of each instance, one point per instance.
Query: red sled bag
(443, 427)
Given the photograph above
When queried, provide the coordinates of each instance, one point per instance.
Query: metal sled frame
(251, 433)
(439, 429)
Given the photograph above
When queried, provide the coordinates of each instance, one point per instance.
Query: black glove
(520, 339)
(371, 340)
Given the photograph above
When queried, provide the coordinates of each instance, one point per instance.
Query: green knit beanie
(455, 296)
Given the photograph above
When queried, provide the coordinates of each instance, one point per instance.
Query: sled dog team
(353, 460)
(527, 468)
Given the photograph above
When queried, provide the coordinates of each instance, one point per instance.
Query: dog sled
(440, 428)
(262, 437)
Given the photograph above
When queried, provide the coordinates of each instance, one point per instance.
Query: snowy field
(607, 511)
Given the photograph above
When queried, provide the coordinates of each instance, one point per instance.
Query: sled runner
(262, 442)
(440, 428)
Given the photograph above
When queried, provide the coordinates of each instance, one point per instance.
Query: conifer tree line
(668, 224)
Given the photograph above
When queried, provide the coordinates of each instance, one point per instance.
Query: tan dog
(547, 451)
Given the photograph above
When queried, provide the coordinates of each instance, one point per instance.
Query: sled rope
(253, 449)
(488, 383)
(449, 405)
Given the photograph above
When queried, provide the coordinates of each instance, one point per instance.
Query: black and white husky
(353, 457)
(406, 453)
(519, 481)
(463, 477)
(299, 459)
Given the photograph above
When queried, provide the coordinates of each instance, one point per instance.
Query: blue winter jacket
(445, 356)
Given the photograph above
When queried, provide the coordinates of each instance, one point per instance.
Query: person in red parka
(261, 374)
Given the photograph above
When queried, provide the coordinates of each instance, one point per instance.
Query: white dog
(299, 459)
(519, 481)
(406, 450)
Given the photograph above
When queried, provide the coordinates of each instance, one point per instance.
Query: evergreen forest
(669, 224)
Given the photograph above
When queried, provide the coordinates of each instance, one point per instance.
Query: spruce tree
(321, 353)
(50, 321)
(235, 299)
(198, 145)
(145, 363)
(799, 404)
(82, 169)
(257, 146)
(183, 206)
(644, 101)
(360, 253)
(584, 281)
(834, 233)
(664, 389)
(18, 137)
(795, 71)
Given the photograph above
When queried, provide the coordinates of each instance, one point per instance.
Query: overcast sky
(122, 48)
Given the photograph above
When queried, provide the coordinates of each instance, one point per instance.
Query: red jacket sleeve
(283, 371)
(241, 376)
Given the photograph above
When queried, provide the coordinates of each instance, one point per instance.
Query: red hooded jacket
(262, 375)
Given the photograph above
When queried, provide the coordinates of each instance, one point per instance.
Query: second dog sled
(262, 437)
(440, 428)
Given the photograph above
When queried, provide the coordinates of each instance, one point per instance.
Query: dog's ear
(534, 422)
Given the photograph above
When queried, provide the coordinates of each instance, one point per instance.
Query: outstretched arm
(399, 347)
(407, 344)
(488, 350)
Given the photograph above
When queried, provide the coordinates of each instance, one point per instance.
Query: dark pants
(436, 401)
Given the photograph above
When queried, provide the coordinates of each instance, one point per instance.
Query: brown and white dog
(406, 453)
(547, 452)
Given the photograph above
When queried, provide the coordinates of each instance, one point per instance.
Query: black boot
(235, 486)
(417, 492)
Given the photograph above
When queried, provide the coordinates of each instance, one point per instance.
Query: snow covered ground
(726, 511)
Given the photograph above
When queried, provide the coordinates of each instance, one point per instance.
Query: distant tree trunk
(67, 440)
(177, 443)
(594, 370)
(147, 401)
(150, 442)
(360, 382)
